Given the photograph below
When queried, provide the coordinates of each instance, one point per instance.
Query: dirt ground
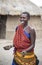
(7, 56)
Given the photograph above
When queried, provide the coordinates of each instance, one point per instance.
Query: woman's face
(23, 18)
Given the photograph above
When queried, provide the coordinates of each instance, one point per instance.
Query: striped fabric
(28, 59)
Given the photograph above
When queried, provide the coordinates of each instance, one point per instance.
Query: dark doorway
(3, 19)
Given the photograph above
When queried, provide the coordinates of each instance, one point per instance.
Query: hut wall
(36, 23)
(13, 21)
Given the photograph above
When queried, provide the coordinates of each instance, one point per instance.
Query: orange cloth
(20, 40)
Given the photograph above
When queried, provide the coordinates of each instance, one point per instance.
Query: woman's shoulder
(16, 28)
(31, 29)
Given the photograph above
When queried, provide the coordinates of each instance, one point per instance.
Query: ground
(7, 56)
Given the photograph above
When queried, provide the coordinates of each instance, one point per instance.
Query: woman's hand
(8, 47)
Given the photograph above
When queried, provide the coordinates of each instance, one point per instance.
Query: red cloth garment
(20, 40)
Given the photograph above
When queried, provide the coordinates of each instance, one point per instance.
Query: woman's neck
(24, 25)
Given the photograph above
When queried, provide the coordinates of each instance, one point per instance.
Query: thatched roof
(16, 7)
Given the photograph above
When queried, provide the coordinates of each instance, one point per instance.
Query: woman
(24, 42)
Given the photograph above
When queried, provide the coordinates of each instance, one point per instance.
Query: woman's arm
(33, 38)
